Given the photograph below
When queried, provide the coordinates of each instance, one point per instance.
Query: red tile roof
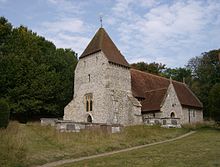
(102, 42)
(146, 85)
(153, 100)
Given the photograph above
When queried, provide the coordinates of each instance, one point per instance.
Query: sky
(163, 31)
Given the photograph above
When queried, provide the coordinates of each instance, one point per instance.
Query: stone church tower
(102, 87)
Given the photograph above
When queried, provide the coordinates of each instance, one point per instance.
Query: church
(108, 91)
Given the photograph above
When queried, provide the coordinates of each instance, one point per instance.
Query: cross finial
(100, 19)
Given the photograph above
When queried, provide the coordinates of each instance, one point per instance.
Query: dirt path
(61, 162)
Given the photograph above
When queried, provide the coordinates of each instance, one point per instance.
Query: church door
(172, 115)
(89, 119)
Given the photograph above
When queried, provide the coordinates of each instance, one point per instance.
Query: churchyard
(201, 149)
(23, 145)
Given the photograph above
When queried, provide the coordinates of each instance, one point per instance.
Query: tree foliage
(206, 73)
(214, 102)
(36, 78)
(4, 113)
(178, 74)
(154, 68)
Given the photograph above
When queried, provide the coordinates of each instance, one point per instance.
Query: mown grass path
(61, 162)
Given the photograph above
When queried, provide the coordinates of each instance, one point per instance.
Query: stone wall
(152, 115)
(192, 115)
(110, 86)
(48, 121)
(163, 122)
(171, 104)
(89, 78)
(70, 126)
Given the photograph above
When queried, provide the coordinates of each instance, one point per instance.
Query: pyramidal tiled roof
(102, 42)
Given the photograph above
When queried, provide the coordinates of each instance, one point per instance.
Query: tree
(154, 68)
(214, 102)
(206, 73)
(178, 74)
(36, 78)
(4, 113)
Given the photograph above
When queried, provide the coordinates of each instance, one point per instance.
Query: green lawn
(30, 144)
(201, 149)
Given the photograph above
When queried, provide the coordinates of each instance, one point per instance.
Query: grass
(23, 145)
(201, 149)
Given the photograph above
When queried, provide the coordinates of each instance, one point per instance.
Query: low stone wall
(70, 126)
(48, 121)
(164, 122)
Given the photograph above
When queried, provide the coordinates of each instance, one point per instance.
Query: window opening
(89, 77)
(88, 101)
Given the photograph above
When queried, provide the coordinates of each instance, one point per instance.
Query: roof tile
(146, 85)
(102, 42)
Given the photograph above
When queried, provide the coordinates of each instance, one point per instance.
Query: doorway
(172, 115)
(89, 119)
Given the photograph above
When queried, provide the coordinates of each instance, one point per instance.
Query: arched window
(89, 119)
(172, 115)
(88, 101)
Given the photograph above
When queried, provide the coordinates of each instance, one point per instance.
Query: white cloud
(77, 43)
(170, 33)
(67, 29)
(144, 30)
(66, 33)
(65, 7)
(65, 25)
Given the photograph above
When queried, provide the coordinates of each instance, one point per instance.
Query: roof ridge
(101, 37)
(157, 76)
(154, 90)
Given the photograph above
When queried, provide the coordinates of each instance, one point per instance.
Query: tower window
(88, 101)
(89, 77)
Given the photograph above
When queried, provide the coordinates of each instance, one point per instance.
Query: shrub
(4, 113)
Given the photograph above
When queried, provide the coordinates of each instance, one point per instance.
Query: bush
(4, 113)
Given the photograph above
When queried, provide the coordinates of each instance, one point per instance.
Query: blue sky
(164, 31)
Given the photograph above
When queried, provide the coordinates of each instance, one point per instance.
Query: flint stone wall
(110, 86)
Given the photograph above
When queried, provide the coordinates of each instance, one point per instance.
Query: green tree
(206, 73)
(35, 76)
(154, 68)
(4, 113)
(214, 102)
(178, 74)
